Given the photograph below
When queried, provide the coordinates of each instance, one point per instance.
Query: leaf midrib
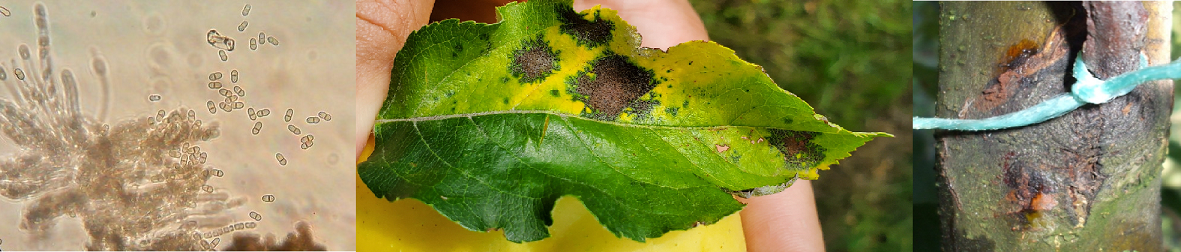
(564, 116)
(580, 139)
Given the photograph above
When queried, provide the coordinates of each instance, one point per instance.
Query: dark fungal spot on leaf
(671, 111)
(534, 61)
(797, 147)
(641, 108)
(736, 159)
(590, 33)
(555, 93)
(611, 84)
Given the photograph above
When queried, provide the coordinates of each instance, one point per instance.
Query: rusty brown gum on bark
(1069, 182)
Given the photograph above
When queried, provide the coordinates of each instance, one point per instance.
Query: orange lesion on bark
(1021, 60)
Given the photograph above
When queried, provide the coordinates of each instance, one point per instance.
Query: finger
(662, 23)
(382, 28)
(785, 221)
(483, 11)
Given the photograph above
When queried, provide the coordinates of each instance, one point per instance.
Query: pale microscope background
(159, 47)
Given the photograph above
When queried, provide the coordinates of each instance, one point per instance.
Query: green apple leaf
(491, 123)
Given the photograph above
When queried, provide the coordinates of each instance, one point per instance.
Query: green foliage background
(851, 61)
(1171, 184)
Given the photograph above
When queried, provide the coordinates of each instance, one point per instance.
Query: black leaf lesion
(534, 61)
(612, 84)
(797, 147)
(590, 33)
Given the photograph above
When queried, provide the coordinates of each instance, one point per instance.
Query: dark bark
(1115, 36)
(1086, 181)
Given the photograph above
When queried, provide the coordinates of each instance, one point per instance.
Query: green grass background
(1171, 184)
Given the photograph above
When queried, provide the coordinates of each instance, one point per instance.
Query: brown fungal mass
(130, 182)
(797, 147)
(616, 84)
(300, 240)
(590, 33)
(534, 61)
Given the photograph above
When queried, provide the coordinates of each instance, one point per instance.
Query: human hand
(785, 221)
(382, 28)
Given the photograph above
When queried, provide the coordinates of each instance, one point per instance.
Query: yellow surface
(410, 225)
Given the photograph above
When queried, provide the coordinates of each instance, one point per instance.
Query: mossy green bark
(1088, 181)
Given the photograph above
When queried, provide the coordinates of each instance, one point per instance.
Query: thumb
(382, 28)
(662, 23)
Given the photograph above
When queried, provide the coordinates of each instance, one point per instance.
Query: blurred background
(926, 61)
(848, 59)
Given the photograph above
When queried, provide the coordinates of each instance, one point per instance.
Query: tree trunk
(1086, 181)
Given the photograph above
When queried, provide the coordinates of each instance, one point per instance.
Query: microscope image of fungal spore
(135, 184)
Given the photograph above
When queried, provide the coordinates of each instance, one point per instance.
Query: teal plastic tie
(1088, 89)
